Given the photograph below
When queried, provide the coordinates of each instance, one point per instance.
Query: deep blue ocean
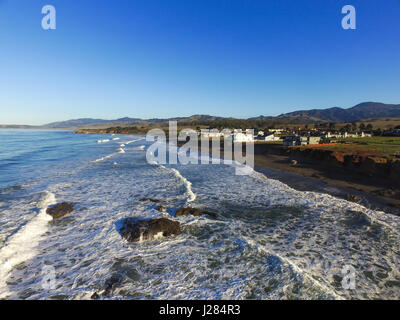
(269, 241)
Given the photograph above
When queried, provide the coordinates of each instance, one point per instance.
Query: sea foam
(21, 246)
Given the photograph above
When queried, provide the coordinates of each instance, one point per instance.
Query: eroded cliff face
(87, 131)
(364, 162)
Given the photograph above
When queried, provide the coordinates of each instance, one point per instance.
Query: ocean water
(268, 242)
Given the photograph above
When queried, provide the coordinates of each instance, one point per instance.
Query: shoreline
(311, 174)
(334, 188)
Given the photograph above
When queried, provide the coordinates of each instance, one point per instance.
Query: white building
(365, 135)
(271, 137)
(242, 137)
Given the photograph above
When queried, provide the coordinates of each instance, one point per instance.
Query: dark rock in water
(150, 200)
(352, 197)
(185, 211)
(134, 229)
(161, 208)
(211, 214)
(60, 210)
(194, 212)
(386, 193)
(95, 296)
(111, 283)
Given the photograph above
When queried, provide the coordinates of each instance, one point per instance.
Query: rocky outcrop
(134, 229)
(60, 210)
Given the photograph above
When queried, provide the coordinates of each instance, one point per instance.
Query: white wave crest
(104, 158)
(22, 245)
(189, 193)
(132, 141)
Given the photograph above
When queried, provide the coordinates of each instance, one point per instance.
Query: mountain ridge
(365, 110)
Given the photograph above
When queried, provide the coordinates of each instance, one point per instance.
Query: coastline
(306, 179)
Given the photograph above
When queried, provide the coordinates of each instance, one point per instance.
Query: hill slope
(366, 110)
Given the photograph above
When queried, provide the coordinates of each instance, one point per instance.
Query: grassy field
(386, 147)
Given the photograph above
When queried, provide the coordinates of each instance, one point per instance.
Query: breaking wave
(189, 193)
(21, 246)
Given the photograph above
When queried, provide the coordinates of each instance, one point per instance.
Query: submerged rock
(150, 200)
(59, 210)
(111, 283)
(185, 211)
(211, 214)
(134, 229)
(161, 208)
(386, 193)
(194, 212)
(352, 197)
(95, 296)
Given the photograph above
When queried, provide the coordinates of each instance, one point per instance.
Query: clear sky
(162, 58)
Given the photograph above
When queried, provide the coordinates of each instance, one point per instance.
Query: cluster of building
(345, 135)
(300, 141)
(293, 138)
(306, 139)
(247, 135)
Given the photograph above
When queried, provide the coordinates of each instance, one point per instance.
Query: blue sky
(163, 58)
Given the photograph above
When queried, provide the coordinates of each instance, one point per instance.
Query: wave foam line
(22, 246)
(104, 158)
(132, 141)
(190, 194)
